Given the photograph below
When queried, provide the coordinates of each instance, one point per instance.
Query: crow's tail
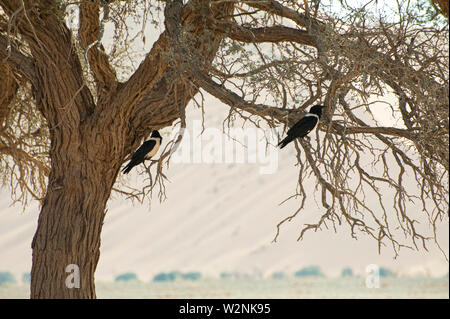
(285, 142)
(127, 168)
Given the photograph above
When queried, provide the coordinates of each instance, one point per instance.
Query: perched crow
(146, 151)
(306, 124)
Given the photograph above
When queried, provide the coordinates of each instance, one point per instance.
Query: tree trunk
(67, 239)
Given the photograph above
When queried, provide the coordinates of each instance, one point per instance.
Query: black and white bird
(146, 151)
(305, 125)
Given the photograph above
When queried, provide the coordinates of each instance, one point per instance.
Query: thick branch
(232, 99)
(392, 131)
(89, 34)
(274, 7)
(272, 34)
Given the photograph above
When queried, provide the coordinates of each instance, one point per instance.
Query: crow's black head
(317, 109)
(155, 134)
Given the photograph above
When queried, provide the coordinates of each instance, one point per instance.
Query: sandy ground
(291, 288)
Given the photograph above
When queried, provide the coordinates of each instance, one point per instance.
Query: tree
(71, 116)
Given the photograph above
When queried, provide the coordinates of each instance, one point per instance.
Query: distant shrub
(176, 274)
(26, 277)
(309, 271)
(225, 275)
(164, 277)
(192, 276)
(127, 276)
(347, 272)
(384, 272)
(278, 275)
(6, 278)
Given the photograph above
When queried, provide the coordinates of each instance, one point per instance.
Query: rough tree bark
(72, 214)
